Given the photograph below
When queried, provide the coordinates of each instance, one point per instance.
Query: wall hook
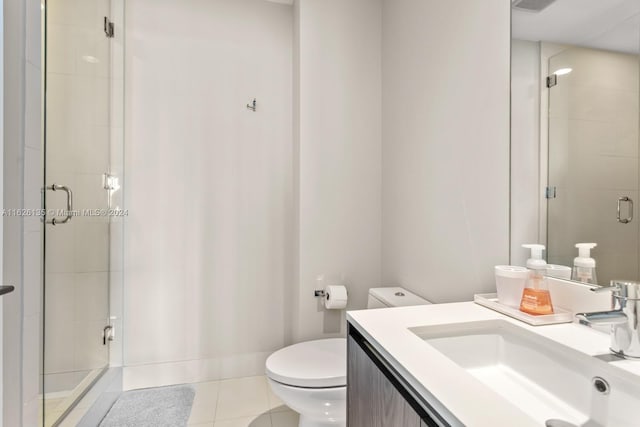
(108, 28)
(252, 106)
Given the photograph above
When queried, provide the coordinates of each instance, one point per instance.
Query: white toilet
(311, 377)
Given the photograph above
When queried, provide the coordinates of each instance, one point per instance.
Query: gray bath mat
(152, 407)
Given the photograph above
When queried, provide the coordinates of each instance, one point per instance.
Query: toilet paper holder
(320, 293)
(335, 297)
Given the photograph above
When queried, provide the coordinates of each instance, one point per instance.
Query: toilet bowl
(311, 377)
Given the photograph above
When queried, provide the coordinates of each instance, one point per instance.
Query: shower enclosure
(593, 159)
(82, 196)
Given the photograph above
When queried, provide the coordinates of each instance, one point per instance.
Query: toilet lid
(312, 364)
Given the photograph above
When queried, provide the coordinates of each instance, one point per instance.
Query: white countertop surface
(448, 386)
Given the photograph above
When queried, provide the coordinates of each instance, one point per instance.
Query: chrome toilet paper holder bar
(319, 293)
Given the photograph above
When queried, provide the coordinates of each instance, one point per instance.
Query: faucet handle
(612, 317)
(622, 289)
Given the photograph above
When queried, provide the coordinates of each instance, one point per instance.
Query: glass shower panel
(593, 159)
(80, 140)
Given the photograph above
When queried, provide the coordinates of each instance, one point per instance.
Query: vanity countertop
(447, 386)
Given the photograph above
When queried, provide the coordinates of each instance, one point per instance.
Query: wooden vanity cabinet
(376, 395)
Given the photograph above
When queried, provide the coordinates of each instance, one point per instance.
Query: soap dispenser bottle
(584, 267)
(536, 298)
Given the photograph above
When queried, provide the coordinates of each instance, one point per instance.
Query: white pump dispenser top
(535, 262)
(584, 255)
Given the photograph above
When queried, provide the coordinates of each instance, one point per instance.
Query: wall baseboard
(194, 371)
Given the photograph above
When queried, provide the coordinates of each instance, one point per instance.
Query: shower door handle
(69, 212)
(629, 218)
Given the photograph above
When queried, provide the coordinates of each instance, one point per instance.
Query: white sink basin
(543, 378)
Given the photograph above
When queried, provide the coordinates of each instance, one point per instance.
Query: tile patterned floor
(239, 402)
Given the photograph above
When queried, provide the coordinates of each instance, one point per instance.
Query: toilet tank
(393, 297)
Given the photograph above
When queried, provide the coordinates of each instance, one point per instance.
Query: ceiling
(602, 24)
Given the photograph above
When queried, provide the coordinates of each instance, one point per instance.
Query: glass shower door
(77, 194)
(593, 159)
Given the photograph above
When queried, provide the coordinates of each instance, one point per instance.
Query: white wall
(32, 231)
(338, 95)
(327, 182)
(22, 235)
(443, 76)
(445, 145)
(209, 187)
(525, 148)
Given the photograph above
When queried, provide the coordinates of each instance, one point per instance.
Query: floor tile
(275, 404)
(206, 393)
(285, 419)
(281, 408)
(204, 403)
(263, 420)
(202, 413)
(243, 397)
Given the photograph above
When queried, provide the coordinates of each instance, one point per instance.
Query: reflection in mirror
(575, 96)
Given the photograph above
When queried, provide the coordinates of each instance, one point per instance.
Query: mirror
(575, 120)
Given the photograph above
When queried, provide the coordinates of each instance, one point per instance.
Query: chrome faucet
(624, 317)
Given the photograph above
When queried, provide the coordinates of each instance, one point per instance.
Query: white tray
(560, 315)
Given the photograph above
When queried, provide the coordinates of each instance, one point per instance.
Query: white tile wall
(90, 194)
(62, 239)
(92, 290)
(89, 352)
(60, 53)
(91, 149)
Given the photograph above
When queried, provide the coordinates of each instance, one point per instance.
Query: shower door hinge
(110, 182)
(550, 192)
(552, 80)
(108, 334)
(108, 28)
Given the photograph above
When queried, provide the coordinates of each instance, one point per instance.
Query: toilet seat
(311, 364)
